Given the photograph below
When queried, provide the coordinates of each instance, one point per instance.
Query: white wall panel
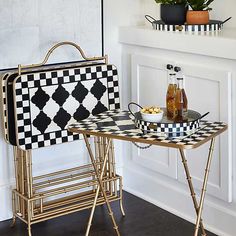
(149, 84)
(209, 90)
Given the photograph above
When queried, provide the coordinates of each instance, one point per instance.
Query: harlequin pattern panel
(47, 102)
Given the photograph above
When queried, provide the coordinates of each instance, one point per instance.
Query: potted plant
(173, 11)
(199, 14)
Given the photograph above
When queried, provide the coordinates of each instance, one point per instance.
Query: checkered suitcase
(41, 104)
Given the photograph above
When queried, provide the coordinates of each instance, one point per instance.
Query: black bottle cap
(177, 69)
(169, 67)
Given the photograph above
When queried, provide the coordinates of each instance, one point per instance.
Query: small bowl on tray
(153, 116)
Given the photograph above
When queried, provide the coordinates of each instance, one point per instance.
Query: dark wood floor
(142, 219)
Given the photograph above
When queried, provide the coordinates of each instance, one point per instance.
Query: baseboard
(216, 220)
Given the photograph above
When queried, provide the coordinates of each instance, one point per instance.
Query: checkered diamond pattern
(167, 127)
(47, 102)
(120, 123)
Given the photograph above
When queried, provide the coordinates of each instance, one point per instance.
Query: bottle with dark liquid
(181, 102)
(170, 97)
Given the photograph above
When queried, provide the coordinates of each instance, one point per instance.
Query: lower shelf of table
(38, 209)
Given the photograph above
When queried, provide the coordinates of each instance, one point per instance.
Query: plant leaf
(199, 5)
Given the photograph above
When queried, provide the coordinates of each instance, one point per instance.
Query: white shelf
(216, 44)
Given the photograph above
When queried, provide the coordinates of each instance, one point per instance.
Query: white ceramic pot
(152, 117)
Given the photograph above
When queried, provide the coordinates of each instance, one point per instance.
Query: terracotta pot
(197, 17)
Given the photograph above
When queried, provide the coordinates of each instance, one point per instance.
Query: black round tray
(166, 126)
(169, 126)
(214, 25)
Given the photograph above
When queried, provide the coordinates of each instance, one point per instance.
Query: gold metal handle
(20, 67)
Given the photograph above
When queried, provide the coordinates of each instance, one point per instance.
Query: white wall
(27, 30)
(159, 189)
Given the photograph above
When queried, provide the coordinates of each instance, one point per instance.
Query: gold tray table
(118, 124)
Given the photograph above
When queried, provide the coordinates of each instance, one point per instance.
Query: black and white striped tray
(214, 25)
(166, 126)
(169, 127)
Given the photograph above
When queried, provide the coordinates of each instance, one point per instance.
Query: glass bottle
(170, 97)
(181, 102)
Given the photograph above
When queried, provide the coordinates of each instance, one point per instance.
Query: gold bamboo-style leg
(29, 230)
(190, 184)
(29, 217)
(99, 154)
(14, 210)
(121, 198)
(29, 187)
(97, 159)
(29, 173)
(204, 187)
(17, 186)
(109, 170)
(99, 151)
(17, 162)
(103, 147)
(22, 180)
(16, 166)
(104, 163)
(113, 166)
(100, 186)
(13, 223)
(19, 202)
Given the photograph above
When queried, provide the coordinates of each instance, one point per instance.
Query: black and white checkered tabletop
(47, 102)
(120, 124)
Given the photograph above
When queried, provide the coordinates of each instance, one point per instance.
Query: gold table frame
(197, 205)
(30, 198)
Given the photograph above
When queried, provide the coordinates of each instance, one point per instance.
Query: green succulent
(171, 2)
(200, 5)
